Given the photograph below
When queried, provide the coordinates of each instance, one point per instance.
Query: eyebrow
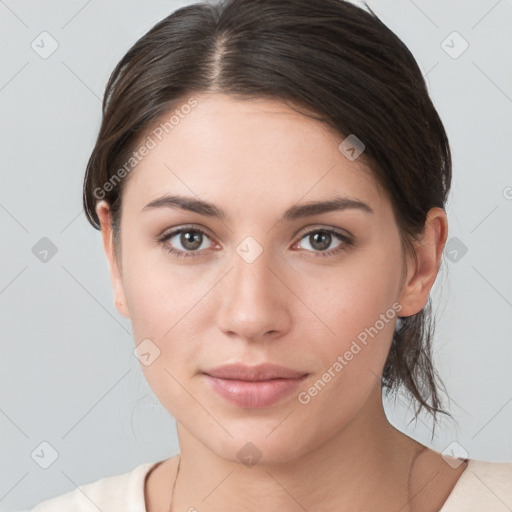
(294, 212)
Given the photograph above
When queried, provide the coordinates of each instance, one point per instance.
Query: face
(316, 291)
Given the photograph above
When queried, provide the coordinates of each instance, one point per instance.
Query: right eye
(190, 239)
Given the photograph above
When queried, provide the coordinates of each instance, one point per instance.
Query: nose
(255, 304)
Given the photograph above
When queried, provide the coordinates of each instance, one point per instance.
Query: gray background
(68, 375)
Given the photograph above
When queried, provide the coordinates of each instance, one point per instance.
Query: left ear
(422, 273)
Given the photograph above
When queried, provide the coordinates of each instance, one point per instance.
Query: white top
(482, 487)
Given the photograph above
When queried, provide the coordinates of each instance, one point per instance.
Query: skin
(291, 306)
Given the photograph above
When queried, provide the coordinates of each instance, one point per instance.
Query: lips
(254, 387)
(257, 373)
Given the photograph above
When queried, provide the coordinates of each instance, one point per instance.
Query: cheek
(359, 306)
(164, 314)
(362, 316)
(158, 294)
(354, 296)
(169, 311)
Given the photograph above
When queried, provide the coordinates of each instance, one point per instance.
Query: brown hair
(331, 58)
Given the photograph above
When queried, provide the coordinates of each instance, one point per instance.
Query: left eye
(320, 239)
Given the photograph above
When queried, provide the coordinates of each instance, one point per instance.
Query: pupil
(326, 237)
(191, 242)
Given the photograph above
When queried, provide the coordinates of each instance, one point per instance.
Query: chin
(256, 447)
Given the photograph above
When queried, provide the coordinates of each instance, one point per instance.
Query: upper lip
(266, 371)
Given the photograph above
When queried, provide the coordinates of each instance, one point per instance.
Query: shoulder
(124, 492)
(483, 486)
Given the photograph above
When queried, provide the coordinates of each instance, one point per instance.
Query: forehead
(247, 153)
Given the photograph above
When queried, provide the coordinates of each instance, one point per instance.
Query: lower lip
(254, 395)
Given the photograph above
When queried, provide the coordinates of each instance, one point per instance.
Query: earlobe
(422, 270)
(104, 216)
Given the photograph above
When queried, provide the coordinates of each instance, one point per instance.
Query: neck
(362, 466)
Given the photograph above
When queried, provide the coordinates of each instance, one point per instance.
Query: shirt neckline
(138, 484)
(460, 482)
(141, 473)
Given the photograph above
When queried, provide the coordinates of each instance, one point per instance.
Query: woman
(270, 180)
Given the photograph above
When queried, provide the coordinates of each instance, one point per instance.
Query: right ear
(104, 216)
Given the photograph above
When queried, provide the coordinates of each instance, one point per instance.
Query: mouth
(254, 387)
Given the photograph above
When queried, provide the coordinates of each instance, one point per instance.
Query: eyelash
(347, 242)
